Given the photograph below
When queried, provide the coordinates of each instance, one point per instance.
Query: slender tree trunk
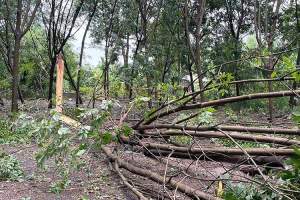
(15, 74)
(51, 82)
(106, 73)
(270, 100)
(292, 99)
(126, 59)
(78, 99)
(20, 95)
(236, 70)
(191, 77)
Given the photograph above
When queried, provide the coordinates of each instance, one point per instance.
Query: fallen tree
(239, 136)
(219, 102)
(215, 150)
(158, 178)
(266, 161)
(224, 128)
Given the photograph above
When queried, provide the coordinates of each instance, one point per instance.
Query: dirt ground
(95, 182)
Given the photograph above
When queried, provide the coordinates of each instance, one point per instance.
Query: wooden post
(59, 83)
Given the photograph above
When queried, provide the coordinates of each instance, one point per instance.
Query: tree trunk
(106, 74)
(51, 82)
(15, 74)
(78, 99)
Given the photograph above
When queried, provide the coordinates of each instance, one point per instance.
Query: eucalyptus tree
(16, 19)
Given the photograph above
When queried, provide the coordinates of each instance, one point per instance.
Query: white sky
(92, 53)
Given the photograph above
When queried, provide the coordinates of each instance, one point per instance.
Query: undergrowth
(10, 168)
(11, 133)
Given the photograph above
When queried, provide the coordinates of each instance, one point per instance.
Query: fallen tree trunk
(158, 178)
(223, 101)
(223, 128)
(134, 190)
(268, 161)
(213, 151)
(239, 136)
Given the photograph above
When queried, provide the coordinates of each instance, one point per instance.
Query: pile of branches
(152, 138)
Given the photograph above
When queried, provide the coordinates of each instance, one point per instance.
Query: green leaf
(63, 131)
(274, 74)
(80, 152)
(106, 138)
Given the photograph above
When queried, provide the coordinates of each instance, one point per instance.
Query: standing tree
(195, 17)
(91, 10)
(59, 18)
(16, 17)
(106, 28)
(266, 20)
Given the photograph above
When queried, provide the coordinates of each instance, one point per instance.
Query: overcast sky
(92, 53)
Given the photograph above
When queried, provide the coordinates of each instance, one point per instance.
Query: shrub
(10, 168)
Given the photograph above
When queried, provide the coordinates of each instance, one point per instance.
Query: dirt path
(95, 182)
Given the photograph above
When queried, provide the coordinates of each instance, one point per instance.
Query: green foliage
(248, 192)
(185, 140)
(10, 168)
(206, 117)
(67, 146)
(12, 132)
(228, 143)
(296, 116)
(291, 177)
(230, 113)
(289, 180)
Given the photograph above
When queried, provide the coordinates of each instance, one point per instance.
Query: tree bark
(239, 136)
(223, 102)
(217, 150)
(223, 128)
(160, 179)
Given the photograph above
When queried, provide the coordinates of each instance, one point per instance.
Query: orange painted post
(59, 83)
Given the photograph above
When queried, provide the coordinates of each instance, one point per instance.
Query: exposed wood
(59, 83)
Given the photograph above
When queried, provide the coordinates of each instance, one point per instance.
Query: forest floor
(97, 180)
